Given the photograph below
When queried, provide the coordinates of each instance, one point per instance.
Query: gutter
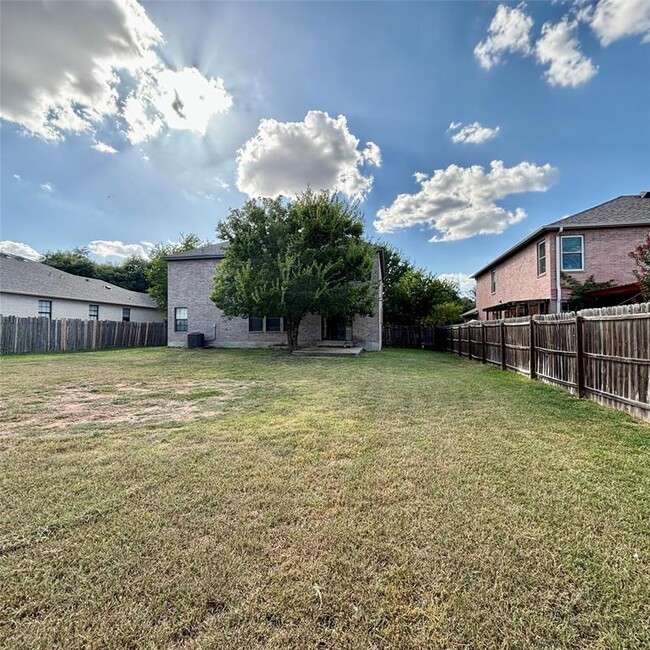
(558, 271)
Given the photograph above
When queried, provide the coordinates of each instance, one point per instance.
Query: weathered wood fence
(20, 335)
(603, 353)
(408, 336)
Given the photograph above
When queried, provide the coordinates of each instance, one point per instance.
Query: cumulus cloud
(18, 248)
(102, 147)
(107, 248)
(474, 133)
(18, 177)
(285, 157)
(67, 66)
(559, 48)
(508, 32)
(464, 283)
(47, 187)
(461, 202)
(615, 19)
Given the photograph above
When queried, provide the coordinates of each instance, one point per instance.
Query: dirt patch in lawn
(80, 405)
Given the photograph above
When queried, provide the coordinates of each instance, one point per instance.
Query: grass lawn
(246, 499)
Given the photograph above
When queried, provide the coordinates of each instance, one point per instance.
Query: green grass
(247, 499)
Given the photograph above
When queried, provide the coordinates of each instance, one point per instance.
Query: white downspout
(558, 271)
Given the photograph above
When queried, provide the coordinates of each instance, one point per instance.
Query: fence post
(580, 365)
(503, 346)
(469, 342)
(483, 343)
(533, 356)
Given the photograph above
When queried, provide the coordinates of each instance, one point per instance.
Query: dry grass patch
(395, 500)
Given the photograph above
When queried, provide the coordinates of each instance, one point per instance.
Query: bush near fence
(21, 335)
(603, 354)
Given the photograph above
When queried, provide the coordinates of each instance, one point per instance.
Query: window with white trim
(273, 324)
(126, 314)
(493, 281)
(541, 258)
(93, 312)
(180, 319)
(572, 251)
(45, 308)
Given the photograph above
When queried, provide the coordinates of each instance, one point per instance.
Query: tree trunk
(292, 325)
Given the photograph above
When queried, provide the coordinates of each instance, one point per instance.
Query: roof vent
(645, 194)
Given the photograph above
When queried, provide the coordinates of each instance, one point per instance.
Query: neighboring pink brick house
(524, 279)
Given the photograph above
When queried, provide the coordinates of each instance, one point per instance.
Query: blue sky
(560, 92)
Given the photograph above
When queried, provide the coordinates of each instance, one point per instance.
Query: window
(93, 312)
(255, 324)
(180, 319)
(493, 281)
(572, 253)
(541, 258)
(45, 308)
(273, 324)
(126, 314)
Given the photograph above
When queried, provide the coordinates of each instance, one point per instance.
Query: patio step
(328, 351)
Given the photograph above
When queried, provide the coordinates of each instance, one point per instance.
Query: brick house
(526, 279)
(190, 276)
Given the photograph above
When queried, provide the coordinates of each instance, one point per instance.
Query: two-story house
(527, 278)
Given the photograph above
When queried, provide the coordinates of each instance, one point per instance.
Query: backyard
(228, 499)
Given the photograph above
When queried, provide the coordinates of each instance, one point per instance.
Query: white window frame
(178, 320)
(493, 281)
(541, 243)
(43, 314)
(93, 316)
(582, 253)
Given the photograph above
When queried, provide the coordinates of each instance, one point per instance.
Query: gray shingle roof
(209, 251)
(23, 276)
(621, 212)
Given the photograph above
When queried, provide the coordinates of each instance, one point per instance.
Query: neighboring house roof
(207, 252)
(621, 212)
(27, 277)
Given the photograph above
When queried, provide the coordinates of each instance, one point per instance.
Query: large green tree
(157, 269)
(76, 261)
(292, 258)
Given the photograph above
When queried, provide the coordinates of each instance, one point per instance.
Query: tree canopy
(641, 255)
(290, 258)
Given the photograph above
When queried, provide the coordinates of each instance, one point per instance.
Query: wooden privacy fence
(20, 335)
(408, 336)
(603, 353)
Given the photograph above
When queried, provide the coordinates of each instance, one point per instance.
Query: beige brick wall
(190, 284)
(22, 305)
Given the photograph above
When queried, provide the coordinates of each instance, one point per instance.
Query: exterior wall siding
(605, 257)
(190, 284)
(13, 304)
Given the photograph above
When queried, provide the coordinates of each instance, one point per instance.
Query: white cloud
(47, 187)
(474, 133)
(560, 49)
(460, 202)
(464, 283)
(19, 248)
(104, 248)
(222, 184)
(18, 177)
(102, 147)
(615, 19)
(508, 32)
(285, 157)
(69, 64)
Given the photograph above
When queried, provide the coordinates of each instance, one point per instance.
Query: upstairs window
(493, 281)
(45, 308)
(180, 319)
(126, 314)
(273, 324)
(541, 258)
(255, 324)
(93, 312)
(572, 252)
